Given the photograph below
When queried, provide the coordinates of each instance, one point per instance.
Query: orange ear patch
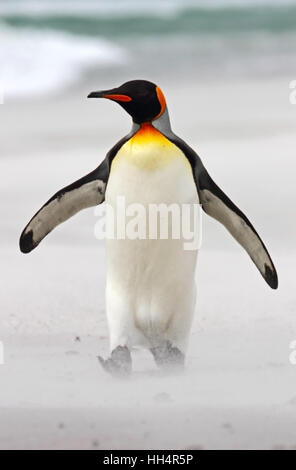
(161, 100)
(118, 97)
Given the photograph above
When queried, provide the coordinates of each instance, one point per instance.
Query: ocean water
(47, 46)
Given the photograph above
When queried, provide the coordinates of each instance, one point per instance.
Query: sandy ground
(239, 388)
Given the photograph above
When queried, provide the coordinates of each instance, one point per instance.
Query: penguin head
(143, 100)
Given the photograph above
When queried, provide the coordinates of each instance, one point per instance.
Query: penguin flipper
(216, 204)
(86, 192)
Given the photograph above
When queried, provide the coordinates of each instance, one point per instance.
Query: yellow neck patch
(149, 149)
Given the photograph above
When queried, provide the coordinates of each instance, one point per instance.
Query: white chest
(150, 282)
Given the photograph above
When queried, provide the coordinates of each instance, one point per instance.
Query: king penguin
(150, 286)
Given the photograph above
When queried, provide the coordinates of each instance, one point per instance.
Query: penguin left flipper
(85, 192)
(216, 204)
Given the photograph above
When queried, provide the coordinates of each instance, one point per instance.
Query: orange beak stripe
(118, 97)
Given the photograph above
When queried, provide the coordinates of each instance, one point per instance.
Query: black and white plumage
(219, 206)
(85, 192)
(150, 288)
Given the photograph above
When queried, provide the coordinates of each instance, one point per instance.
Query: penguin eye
(143, 94)
(146, 97)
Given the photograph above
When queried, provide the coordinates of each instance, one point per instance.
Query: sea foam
(36, 62)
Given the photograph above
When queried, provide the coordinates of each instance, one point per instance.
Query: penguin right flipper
(219, 206)
(85, 192)
(216, 204)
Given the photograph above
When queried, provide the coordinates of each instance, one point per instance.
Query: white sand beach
(239, 388)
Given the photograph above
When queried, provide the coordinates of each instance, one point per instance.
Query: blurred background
(225, 67)
(57, 45)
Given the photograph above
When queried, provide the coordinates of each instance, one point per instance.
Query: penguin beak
(110, 95)
(96, 94)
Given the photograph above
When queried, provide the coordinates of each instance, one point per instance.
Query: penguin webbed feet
(168, 357)
(119, 364)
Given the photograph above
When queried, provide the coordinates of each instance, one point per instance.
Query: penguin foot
(168, 356)
(119, 364)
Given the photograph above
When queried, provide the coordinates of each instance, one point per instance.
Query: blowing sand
(239, 388)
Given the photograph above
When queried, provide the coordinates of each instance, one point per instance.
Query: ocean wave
(47, 45)
(37, 62)
(120, 20)
(126, 7)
